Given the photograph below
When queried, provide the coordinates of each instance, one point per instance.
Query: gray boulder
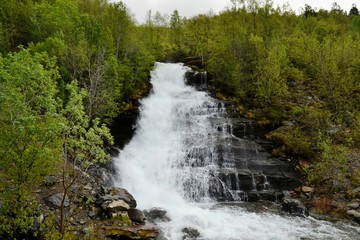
(156, 214)
(294, 206)
(115, 194)
(54, 201)
(136, 215)
(190, 233)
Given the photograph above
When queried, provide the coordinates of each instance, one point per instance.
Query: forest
(69, 67)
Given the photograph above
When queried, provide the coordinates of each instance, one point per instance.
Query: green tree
(270, 76)
(29, 134)
(176, 30)
(83, 142)
(354, 11)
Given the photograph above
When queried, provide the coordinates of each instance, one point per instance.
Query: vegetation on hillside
(68, 67)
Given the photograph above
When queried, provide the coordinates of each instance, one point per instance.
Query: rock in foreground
(135, 232)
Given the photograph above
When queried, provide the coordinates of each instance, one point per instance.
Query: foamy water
(154, 167)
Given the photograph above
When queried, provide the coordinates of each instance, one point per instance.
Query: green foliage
(291, 141)
(49, 231)
(17, 227)
(28, 117)
(332, 167)
(83, 141)
(29, 134)
(270, 79)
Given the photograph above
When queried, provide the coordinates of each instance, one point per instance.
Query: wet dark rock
(115, 194)
(156, 214)
(136, 215)
(123, 128)
(197, 79)
(54, 201)
(190, 233)
(294, 206)
(286, 194)
(266, 195)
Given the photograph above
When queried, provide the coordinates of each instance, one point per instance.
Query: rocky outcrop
(134, 232)
(354, 214)
(353, 209)
(116, 202)
(123, 128)
(115, 194)
(254, 174)
(245, 170)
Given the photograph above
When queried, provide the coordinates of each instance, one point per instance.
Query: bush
(16, 221)
(332, 167)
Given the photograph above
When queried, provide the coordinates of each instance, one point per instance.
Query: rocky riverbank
(94, 209)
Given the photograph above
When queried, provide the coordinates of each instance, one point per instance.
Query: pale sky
(191, 8)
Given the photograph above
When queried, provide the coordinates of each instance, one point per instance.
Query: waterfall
(185, 159)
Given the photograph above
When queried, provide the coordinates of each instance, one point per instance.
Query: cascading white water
(169, 163)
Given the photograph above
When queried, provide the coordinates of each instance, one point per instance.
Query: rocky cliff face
(245, 168)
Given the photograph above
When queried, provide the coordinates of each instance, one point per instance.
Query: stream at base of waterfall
(184, 158)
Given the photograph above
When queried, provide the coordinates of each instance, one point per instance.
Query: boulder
(355, 193)
(102, 175)
(88, 186)
(114, 194)
(88, 231)
(136, 215)
(190, 233)
(50, 180)
(134, 232)
(354, 205)
(38, 221)
(54, 201)
(306, 189)
(75, 188)
(156, 214)
(354, 214)
(115, 206)
(91, 214)
(294, 206)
